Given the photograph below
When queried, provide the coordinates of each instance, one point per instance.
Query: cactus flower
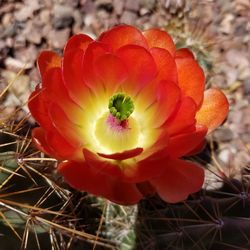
(120, 112)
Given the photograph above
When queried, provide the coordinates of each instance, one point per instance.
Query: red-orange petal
(147, 96)
(160, 39)
(214, 109)
(63, 149)
(166, 66)
(141, 67)
(57, 92)
(198, 148)
(81, 176)
(103, 165)
(38, 106)
(71, 132)
(180, 179)
(92, 53)
(146, 169)
(110, 71)
(39, 139)
(145, 188)
(123, 155)
(132, 173)
(184, 53)
(191, 79)
(79, 41)
(157, 150)
(73, 77)
(123, 35)
(183, 118)
(168, 95)
(47, 60)
(183, 144)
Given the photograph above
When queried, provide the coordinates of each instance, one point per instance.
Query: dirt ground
(217, 31)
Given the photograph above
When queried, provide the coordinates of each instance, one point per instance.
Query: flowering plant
(120, 112)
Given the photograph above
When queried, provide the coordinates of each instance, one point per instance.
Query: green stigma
(121, 106)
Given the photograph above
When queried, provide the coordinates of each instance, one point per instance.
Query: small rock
(34, 36)
(19, 42)
(237, 128)
(9, 41)
(128, 17)
(58, 38)
(4, 50)
(62, 16)
(246, 116)
(88, 6)
(34, 77)
(27, 10)
(7, 8)
(244, 72)
(27, 54)
(45, 16)
(220, 80)
(12, 101)
(73, 3)
(45, 30)
(132, 5)
(103, 2)
(89, 19)
(7, 19)
(20, 85)
(144, 11)
(78, 21)
(223, 134)
(246, 136)
(240, 30)
(242, 5)
(6, 111)
(102, 15)
(118, 6)
(174, 4)
(12, 63)
(9, 31)
(106, 5)
(241, 160)
(225, 155)
(32, 33)
(246, 86)
(2, 45)
(236, 117)
(236, 58)
(230, 72)
(23, 14)
(148, 4)
(212, 179)
(226, 24)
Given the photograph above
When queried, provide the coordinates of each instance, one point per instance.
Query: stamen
(121, 106)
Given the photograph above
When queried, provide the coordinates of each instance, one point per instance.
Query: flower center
(114, 135)
(116, 130)
(121, 106)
